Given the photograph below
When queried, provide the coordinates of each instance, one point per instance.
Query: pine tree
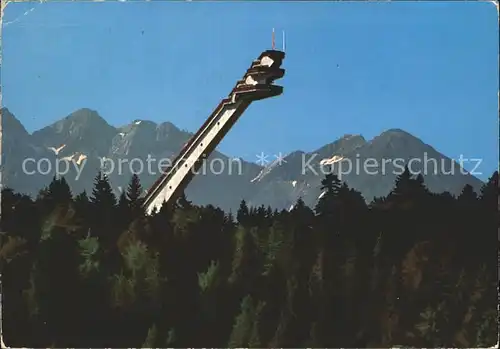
(57, 194)
(230, 218)
(269, 212)
(329, 214)
(468, 195)
(330, 186)
(82, 209)
(171, 338)
(103, 206)
(409, 188)
(210, 283)
(299, 205)
(331, 183)
(260, 216)
(15, 208)
(81, 199)
(490, 193)
(243, 325)
(60, 191)
(273, 247)
(151, 340)
(303, 236)
(134, 192)
(124, 211)
(402, 185)
(243, 213)
(134, 189)
(123, 202)
(102, 193)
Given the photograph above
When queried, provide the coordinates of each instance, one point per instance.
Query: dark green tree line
(413, 268)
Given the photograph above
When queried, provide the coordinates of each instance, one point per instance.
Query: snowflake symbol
(262, 159)
(280, 159)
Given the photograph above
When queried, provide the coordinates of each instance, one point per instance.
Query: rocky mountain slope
(83, 141)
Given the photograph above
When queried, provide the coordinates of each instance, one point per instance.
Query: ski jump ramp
(256, 84)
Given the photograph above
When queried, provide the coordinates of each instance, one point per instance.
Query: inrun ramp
(256, 84)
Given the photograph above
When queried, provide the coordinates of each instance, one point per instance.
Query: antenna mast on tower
(273, 40)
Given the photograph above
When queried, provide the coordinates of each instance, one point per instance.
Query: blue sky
(428, 68)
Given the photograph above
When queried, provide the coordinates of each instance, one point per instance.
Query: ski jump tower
(256, 84)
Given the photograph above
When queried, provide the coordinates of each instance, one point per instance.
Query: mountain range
(84, 142)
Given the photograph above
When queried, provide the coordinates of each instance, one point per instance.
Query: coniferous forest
(92, 270)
